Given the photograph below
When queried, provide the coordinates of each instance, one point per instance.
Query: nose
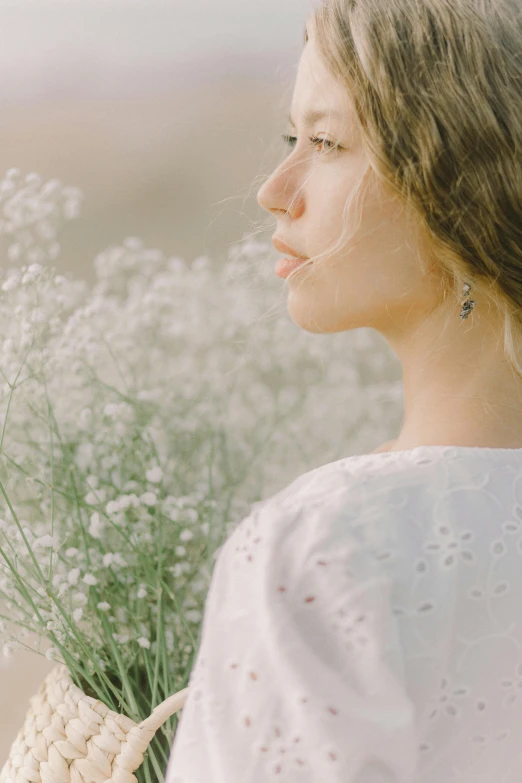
(281, 193)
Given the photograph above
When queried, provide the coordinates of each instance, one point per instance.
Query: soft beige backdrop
(172, 166)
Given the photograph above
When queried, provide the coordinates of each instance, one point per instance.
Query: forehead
(317, 93)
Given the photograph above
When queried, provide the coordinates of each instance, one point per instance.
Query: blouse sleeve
(299, 676)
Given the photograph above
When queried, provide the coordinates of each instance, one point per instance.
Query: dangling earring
(469, 304)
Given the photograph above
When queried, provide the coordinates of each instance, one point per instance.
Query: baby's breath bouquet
(141, 416)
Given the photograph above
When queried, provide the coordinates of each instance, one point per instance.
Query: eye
(290, 140)
(314, 140)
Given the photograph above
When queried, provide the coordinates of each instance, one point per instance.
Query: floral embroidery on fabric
(364, 626)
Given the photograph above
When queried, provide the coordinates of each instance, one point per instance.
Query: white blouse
(364, 625)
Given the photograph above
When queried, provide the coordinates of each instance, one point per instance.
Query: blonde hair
(437, 89)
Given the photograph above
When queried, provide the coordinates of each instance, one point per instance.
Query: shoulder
(355, 503)
(362, 480)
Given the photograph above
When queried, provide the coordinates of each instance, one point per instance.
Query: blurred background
(167, 115)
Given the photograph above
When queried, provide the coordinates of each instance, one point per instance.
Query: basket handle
(165, 710)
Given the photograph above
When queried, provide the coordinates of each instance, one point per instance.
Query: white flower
(180, 551)
(149, 499)
(81, 598)
(119, 411)
(128, 500)
(32, 273)
(89, 579)
(154, 475)
(46, 541)
(113, 557)
(77, 615)
(73, 576)
(186, 535)
(71, 552)
(11, 283)
(121, 638)
(178, 569)
(144, 642)
(193, 615)
(112, 507)
(97, 525)
(91, 499)
(63, 587)
(103, 606)
(51, 653)
(142, 592)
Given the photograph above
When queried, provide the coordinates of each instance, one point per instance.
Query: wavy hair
(437, 90)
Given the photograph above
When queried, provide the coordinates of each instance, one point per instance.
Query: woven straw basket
(69, 737)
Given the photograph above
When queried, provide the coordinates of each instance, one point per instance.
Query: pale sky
(42, 39)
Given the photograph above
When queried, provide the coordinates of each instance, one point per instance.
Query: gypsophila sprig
(31, 214)
(141, 418)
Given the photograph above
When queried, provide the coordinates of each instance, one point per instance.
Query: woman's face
(374, 280)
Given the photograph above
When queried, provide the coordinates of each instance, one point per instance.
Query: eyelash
(291, 141)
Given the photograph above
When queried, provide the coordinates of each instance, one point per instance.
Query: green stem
(22, 533)
(13, 387)
(157, 661)
(180, 612)
(123, 674)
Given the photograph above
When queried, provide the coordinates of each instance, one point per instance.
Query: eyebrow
(313, 116)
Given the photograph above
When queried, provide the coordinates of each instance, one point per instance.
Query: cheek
(328, 220)
(338, 205)
(375, 277)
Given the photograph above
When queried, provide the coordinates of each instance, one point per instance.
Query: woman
(364, 625)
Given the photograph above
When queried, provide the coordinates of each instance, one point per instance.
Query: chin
(309, 327)
(320, 323)
(316, 323)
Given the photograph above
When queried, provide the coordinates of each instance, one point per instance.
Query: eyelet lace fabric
(364, 625)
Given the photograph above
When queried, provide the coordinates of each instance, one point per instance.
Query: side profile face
(379, 271)
(376, 278)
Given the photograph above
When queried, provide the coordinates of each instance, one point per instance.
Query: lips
(287, 249)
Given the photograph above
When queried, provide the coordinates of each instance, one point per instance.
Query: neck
(459, 389)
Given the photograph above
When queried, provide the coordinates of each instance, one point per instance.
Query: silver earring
(469, 304)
